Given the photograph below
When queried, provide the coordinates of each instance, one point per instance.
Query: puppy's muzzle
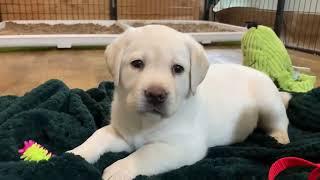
(156, 95)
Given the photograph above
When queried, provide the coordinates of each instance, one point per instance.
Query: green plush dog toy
(264, 51)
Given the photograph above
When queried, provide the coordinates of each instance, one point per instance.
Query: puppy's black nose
(156, 95)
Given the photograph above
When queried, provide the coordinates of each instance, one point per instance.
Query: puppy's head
(156, 68)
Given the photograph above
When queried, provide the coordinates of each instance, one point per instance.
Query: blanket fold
(60, 119)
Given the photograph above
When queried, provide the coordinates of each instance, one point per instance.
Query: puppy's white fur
(206, 106)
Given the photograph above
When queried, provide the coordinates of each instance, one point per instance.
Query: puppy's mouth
(156, 111)
(153, 110)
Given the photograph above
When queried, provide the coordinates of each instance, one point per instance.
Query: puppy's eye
(138, 64)
(177, 69)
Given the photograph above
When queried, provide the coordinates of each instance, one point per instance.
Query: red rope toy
(288, 162)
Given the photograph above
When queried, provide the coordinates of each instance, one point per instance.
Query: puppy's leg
(153, 159)
(105, 139)
(272, 112)
(274, 120)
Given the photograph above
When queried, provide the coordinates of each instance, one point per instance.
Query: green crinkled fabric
(264, 51)
(60, 119)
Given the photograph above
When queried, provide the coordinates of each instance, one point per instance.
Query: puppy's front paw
(76, 152)
(89, 157)
(119, 170)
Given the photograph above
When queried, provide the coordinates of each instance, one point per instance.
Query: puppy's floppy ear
(199, 64)
(114, 53)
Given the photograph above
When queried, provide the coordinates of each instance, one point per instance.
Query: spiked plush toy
(34, 152)
(264, 51)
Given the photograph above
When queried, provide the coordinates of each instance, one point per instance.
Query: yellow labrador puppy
(169, 105)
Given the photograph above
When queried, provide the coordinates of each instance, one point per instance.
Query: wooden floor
(307, 60)
(21, 71)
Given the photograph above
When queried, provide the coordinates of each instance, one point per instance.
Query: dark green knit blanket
(60, 118)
